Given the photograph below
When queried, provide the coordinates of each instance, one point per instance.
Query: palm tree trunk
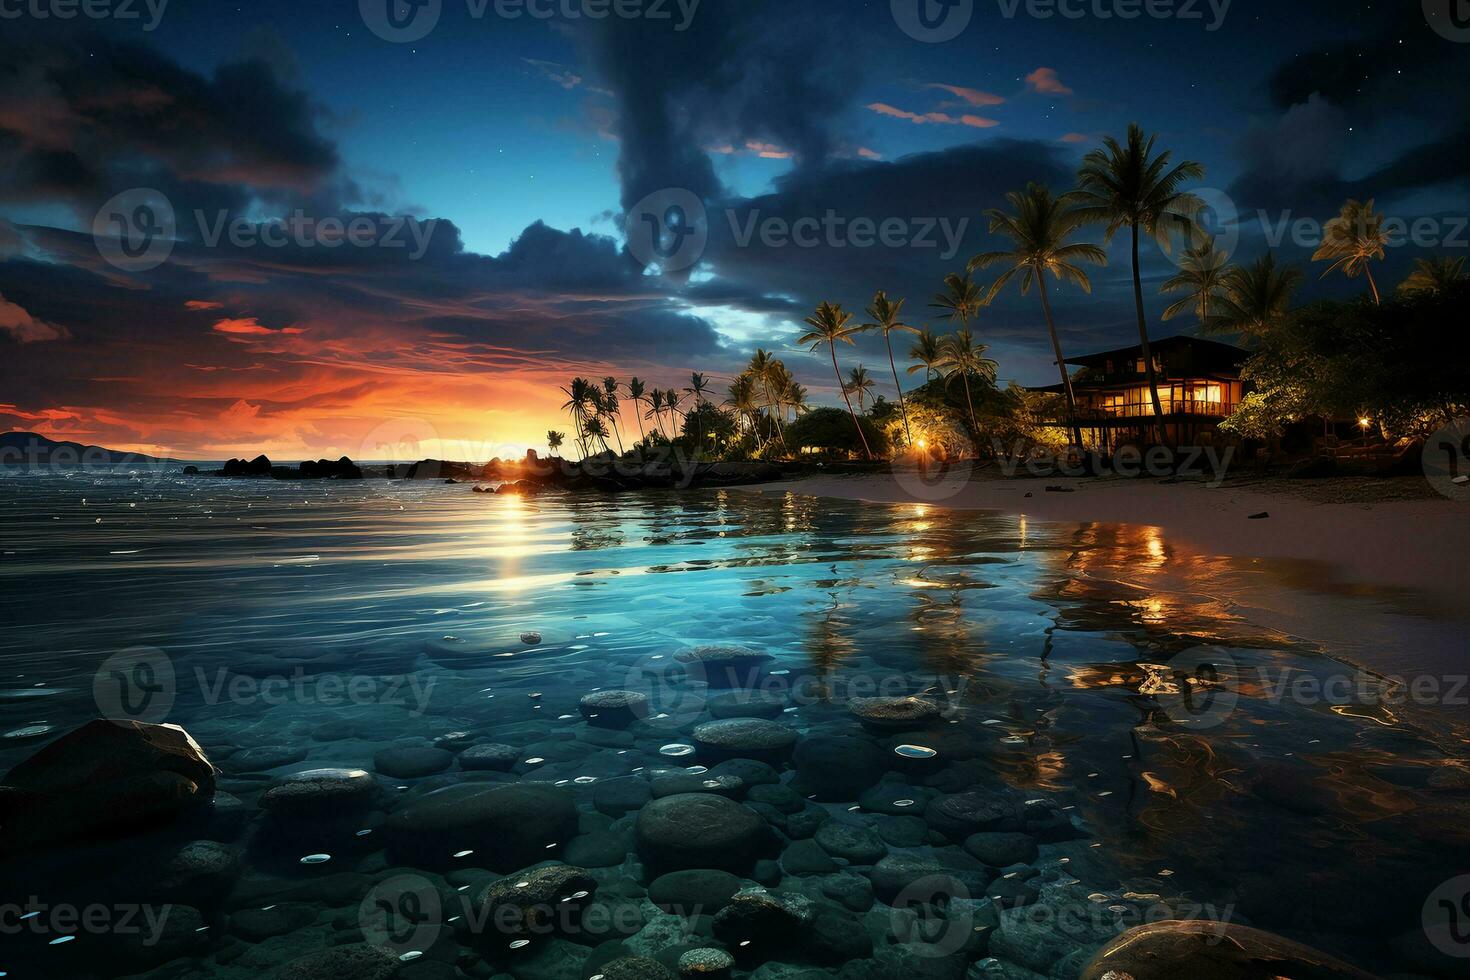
(902, 409)
(1377, 300)
(1056, 346)
(837, 373)
(638, 417)
(617, 432)
(974, 422)
(1148, 357)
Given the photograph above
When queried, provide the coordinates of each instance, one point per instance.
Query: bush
(830, 431)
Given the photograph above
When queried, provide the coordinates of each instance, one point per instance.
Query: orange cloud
(939, 118)
(1075, 138)
(22, 327)
(868, 154)
(203, 304)
(973, 96)
(1045, 80)
(250, 325)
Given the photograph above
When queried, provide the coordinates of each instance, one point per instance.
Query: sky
(343, 227)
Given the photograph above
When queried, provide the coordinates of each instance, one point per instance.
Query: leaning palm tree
(635, 395)
(611, 409)
(831, 324)
(860, 383)
(928, 351)
(580, 399)
(597, 429)
(1432, 277)
(742, 400)
(778, 382)
(697, 387)
(886, 315)
(1129, 186)
(1038, 228)
(656, 409)
(1255, 298)
(1201, 278)
(963, 357)
(554, 440)
(1353, 239)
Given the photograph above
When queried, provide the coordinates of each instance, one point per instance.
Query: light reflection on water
(1058, 643)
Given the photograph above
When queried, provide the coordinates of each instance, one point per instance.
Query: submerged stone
(744, 738)
(492, 756)
(838, 767)
(412, 761)
(320, 793)
(614, 709)
(723, 666)
(533, 902)
(507, 826)
(706, 964)
(693, 892)
(699, 830)
(895, 714)
(1211, 951)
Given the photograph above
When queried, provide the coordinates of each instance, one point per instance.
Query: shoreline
(1291, 570)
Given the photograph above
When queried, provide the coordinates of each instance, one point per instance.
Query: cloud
(938, 118)
(202, 304)
(554, 72)
(1045, 81)
(1075, 138)
(251, 326)
(971, 96)
(26, 329)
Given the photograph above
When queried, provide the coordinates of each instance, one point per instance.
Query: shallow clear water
(1097, 666)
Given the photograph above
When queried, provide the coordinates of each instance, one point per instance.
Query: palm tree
(1432, 277)
(580, 397)
(1353, 239)
(1128, 186)
(597, 430)
(963, 357)
(671, 402)
(885, 315)
(656, 409)
(859, 383)
(742, 399)
(554, 440)
(697, 387)
(831, 324)
(960, 301)
(610, 408)
(778, 383)
(1255, 298)
(928, 352)
(1038, 229)
(635, 395)
(1201, 277)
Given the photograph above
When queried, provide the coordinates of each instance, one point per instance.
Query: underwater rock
(676, 781)
(699, 830)
(507, 826)
(532, 902)
(1203, 950)
(355, 962)
(850, 890)
(621, 794)
(895, 714)
(746, 704)
(635, 968)
(411, 761)
(761, 925)
(858, 845)
(750, 771)
(258, 924)
(744, 738)
(105, 778)
(321, 793)
(897, 799)
(1001, 850)
(613, 709)
(696, 891)
(723, 666)
(783, 798)
(599, 849)
(805, 857)
(838, 767)
(706, 963)
(923, 877)
(492, 756)
(902, 831)
(197, 873)
(963, 814)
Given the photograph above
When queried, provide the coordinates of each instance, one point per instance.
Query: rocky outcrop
(106, 778)
(1212, 951)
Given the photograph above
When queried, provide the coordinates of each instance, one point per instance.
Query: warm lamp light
(1365, 422)
(923, 444)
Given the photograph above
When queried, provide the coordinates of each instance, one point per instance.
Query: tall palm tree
(580, 399)
(778, 382)
(743, 401)
(1129, 186)
(610, 408)
(1038, 228)
(671, 403)
(859, 383)
(697, 387)
(963, 357)
(597, 429)
(960, 301)
(656, 409)
(1201, 278)
(795, 396)
(635, 395)
(830, 325)
(1353, 239)
(554, 440)
(886, 314)
(1433, 276)
(928, 352)
(1255, 298)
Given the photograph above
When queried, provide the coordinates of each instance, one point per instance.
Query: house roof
(1212, 352)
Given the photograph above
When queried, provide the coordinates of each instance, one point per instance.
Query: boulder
(321, 793)
(920, 878)
(507, 826)
(699, 830)
(761, 925)
(634, 968)
(858, 845)
(706, 963)
(491, 756)
(723, 666)
(696, 891)
(354, 962)
(895, 714)
(534, 902)
(614, 709)
(746, 704)
(1205, 950)
(106, 778)
(744, 738)
(1001, 850)
(838, 767)
(411, 761)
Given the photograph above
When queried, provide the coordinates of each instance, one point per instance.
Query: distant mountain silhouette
(30, 449)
